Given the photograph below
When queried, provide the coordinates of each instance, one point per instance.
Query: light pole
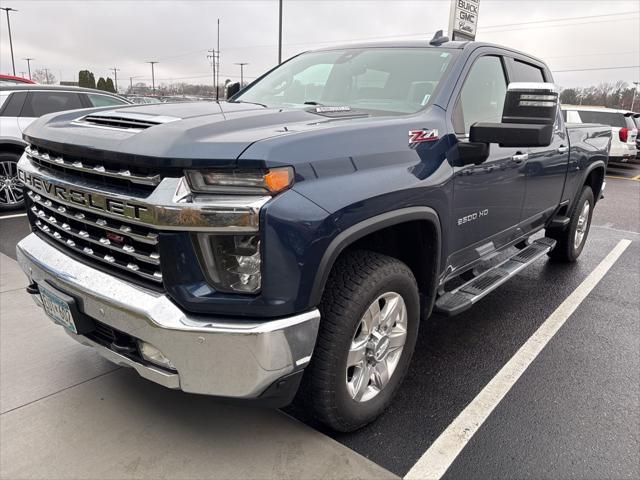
(153, 77)
(242, 64)
(217, 60)
(29, 65)
(279, 32)
(9, 9)
(212, 56)
(131, 84)
(115, 77)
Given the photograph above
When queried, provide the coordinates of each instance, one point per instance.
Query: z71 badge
(416, 137)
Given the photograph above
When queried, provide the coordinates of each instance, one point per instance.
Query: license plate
(57, 309)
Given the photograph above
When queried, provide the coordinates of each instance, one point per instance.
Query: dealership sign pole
(463, 19)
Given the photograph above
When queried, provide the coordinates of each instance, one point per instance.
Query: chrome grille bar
(153, 258)
(93, 220)
(95, 169)
(68, 242)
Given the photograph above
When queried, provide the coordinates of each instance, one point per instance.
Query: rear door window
(525, 72)
(612, 119)
(41, 103)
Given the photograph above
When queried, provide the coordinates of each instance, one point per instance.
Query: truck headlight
(231, 262)
(245, 182)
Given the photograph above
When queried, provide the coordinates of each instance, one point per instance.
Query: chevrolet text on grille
(169, 206)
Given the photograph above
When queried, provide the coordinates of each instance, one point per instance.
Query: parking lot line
(616, 177)
(13, 216)
(445, 449)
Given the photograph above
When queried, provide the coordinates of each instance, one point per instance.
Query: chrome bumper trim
(166, 379)
(227, 358)
(169, 207)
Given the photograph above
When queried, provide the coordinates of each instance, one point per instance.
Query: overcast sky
(66, 36)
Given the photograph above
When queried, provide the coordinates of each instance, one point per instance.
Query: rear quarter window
(13, 104)
(98, 100)
(612, 119)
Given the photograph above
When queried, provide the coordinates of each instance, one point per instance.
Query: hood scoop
(133, 122)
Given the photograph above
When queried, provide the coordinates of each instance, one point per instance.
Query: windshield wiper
(314, 103)
(252, 103)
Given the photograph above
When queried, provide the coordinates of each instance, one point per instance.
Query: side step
(460, 299)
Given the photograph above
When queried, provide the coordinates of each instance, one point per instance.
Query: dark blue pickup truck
(291, 240)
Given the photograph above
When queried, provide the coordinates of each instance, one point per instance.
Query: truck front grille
(94, 170)
(130, 249)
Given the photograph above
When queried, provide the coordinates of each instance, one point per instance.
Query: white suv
(623, 128)
(22, 104)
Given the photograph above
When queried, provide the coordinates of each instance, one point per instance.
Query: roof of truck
(457, 45)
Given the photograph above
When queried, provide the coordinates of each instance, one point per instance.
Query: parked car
(636, 120)
(22, 104)
(292, 238)
(623, 128)
(13, 80)
(143, 100)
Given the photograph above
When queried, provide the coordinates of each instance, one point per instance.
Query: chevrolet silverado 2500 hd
(291, 239)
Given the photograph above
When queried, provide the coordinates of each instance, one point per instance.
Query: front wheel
(368, 329)
(571, 240)
(11, 194)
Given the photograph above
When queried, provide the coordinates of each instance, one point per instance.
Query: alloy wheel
(10, 186)
(376, 347)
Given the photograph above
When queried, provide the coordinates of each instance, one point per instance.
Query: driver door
(487, 198)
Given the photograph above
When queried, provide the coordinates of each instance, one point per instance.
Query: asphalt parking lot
(574, 412)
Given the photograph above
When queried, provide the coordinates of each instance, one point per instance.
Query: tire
(359, 281)
(11, 194)
(569, 242)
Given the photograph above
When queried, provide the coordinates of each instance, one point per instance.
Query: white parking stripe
(13, 216)
(444, 450)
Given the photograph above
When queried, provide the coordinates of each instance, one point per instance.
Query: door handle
(520, 157)
(563, 149)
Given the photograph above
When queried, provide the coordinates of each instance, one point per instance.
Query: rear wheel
(370, 313)
(11, 195)
(571, 240)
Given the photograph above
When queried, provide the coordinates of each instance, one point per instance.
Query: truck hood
(177, 135)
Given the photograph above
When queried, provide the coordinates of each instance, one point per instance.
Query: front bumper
(240, 359)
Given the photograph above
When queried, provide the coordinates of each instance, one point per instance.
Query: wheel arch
(594, 177)
(12, 145)
(423, 259)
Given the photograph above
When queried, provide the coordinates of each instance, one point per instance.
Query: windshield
(398, 80)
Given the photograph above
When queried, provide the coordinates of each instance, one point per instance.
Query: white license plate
(57, 309)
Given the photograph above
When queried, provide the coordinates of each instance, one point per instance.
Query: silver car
(22, 104)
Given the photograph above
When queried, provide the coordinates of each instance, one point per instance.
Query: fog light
(155, 356)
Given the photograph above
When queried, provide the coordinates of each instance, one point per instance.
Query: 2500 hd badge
(473, 216)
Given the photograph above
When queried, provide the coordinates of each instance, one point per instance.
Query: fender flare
(364, 228)
(591, 168)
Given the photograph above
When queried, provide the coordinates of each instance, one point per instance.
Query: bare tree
(44, 76)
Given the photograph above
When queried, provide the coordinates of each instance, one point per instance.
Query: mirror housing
(468, 153)
(528, 117)
(232, 89)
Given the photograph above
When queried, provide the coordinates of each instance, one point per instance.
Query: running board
(460, 299)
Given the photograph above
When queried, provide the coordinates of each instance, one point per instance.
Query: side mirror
(528, 117)
(232, 89)
(468, 153)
